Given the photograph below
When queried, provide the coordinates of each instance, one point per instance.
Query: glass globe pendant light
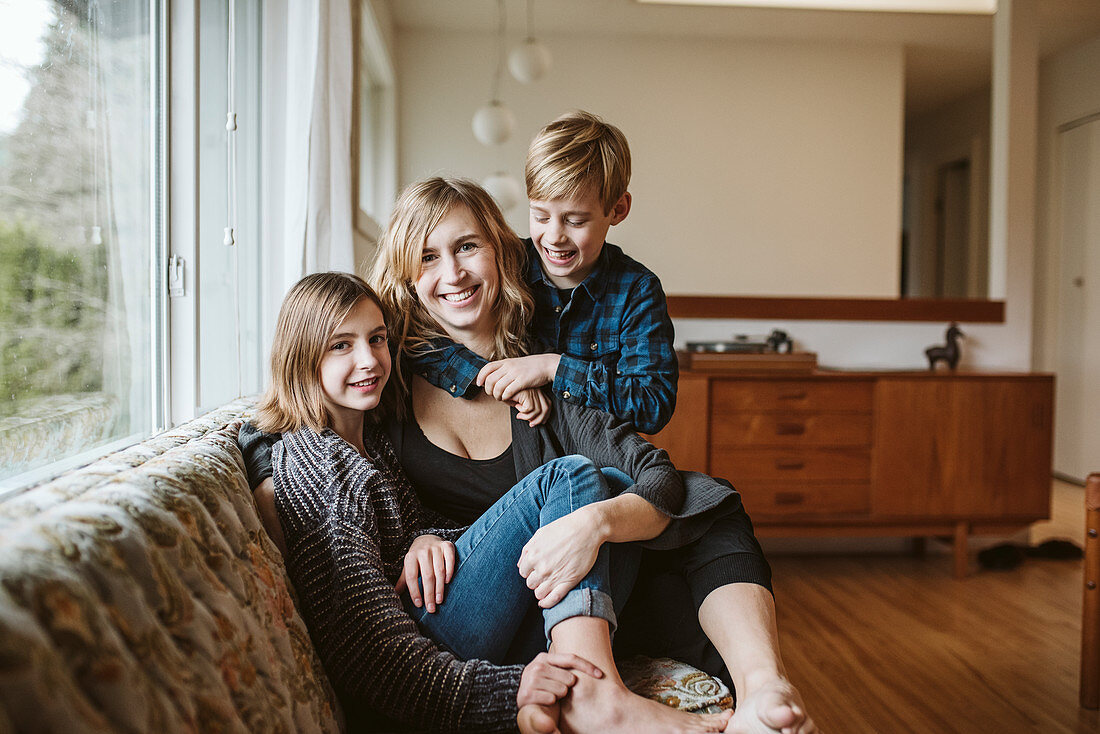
(530, 60)
(493, 123)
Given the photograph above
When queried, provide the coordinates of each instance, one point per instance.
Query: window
(79, 306)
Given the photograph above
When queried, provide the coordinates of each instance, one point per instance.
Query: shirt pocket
(605, 349)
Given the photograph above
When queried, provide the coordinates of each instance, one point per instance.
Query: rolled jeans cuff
(583, 602)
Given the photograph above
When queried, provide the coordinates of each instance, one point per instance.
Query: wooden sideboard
(873, 453)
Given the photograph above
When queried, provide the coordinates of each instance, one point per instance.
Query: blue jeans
(486, 601)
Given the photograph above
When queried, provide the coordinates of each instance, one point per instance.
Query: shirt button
(454, 387)
(557, 309)
(618, 372)
(592, 346)
(565, 394)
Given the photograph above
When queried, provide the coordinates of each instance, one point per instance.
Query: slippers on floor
(1007, 556)
(1057, 549)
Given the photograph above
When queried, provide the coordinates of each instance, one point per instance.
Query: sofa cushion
(141, 593)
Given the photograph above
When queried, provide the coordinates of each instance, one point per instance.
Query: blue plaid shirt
(613, 334)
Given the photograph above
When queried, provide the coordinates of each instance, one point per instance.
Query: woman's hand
(432, 559)
(560, 554)
(548, 678)
(532, 406)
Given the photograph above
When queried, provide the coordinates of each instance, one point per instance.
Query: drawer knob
(788, 465)
(800, 395)
(789, 498)
(790, 429)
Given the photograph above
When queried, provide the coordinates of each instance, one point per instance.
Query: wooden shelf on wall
(837, 309)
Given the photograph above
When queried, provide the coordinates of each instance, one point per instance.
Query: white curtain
(317, 211)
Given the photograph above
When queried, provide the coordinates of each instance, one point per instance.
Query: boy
(601, 335)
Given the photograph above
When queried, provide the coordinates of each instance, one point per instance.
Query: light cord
(502, 27)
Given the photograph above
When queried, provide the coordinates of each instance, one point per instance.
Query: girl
(348, 517)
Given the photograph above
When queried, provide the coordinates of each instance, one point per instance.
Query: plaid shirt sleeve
(448, 366)
(640, 385)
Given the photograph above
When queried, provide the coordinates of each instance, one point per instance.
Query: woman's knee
(574, 477)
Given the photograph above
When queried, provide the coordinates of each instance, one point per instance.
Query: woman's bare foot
(771, 706)
(536, 719)
(605, 706)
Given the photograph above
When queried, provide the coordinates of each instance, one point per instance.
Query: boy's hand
(561, 553)
(506, 377)
(432, 559)
(532, 406)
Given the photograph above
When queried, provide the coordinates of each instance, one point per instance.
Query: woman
(449, 266)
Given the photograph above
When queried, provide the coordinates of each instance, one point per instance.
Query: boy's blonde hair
(310, 313)
(419, 210)
(574, 153)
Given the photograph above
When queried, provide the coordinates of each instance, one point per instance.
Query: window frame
(375, 100)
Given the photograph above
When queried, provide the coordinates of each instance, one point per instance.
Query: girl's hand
(560, 554)
(431, 559)
(548, 678)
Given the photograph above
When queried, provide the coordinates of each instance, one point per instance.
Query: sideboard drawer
(734, 430)
(764, 500)
(783, 465)
(733, 396)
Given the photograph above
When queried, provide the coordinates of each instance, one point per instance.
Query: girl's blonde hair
(310, 313)
(421, 207)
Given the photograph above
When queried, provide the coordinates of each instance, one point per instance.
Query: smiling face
(355, 367)
(569, 234)
(459, 279)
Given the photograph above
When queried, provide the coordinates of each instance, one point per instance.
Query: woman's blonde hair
(310, 313)
(419, 210)
(575, 153)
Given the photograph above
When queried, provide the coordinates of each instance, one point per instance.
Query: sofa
(141, 593)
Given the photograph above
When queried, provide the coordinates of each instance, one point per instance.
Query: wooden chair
(1090, 616)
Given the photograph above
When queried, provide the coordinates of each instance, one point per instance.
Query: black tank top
(458, 488)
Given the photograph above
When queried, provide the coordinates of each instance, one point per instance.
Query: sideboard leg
(962, 558)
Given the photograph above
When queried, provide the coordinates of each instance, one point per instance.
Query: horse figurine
(949, 352)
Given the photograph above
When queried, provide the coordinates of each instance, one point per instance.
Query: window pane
(76, 236)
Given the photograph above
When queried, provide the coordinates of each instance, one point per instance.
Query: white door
(1077, 408)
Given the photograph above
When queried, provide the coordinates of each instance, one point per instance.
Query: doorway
(951, 269)
(1077, 407)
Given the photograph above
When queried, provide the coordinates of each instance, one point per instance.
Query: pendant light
(493, 123)
(530, 60)
(505, 189)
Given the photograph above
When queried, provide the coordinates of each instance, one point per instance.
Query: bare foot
(771, 706)
(604, 706)
(536, 719)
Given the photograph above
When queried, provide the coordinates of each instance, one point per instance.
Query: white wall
(760, 168)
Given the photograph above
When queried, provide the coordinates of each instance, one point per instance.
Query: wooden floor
(895, 644)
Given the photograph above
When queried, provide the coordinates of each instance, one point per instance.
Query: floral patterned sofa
(141, 593)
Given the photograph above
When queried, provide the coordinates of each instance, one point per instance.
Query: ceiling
(947, 56)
